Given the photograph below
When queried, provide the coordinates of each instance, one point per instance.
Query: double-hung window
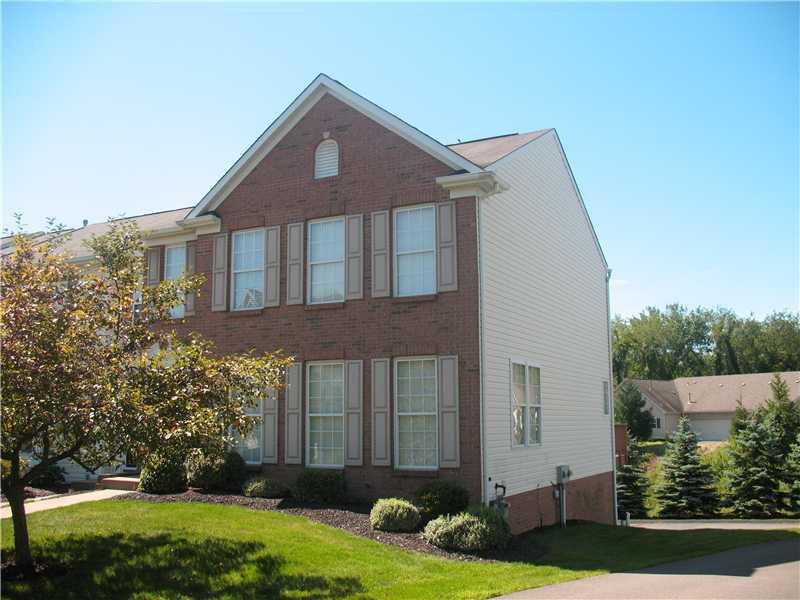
(325, 423)
(416, 395)
(248, 269)
(526, 404)
(606, 399)
(326, 261)
(174, 268)
(415, 251)
(250, 446)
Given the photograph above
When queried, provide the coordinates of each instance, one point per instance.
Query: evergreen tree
(792, 477)
(782, 415)
(757, 467)
(629, 408)
(632, 482)
(740, 415)
(687, 491)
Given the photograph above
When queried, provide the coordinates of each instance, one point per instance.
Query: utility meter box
(563, 473)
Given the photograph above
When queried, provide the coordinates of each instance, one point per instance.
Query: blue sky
(680, 121)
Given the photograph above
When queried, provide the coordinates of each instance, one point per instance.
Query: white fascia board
(296, 111)
(465, 185)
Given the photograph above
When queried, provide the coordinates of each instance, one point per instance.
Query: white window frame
(527, 404)
(327, 262)
(166, 253)
(606, 399)
(234, 272)
(396, 253)
(318, 363)
(259, 407)
(435, 414)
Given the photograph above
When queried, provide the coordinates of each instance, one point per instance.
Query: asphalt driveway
(762, 572)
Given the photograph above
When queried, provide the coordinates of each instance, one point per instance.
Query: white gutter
(611, 395)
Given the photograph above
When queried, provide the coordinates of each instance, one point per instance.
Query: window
(325, 423)
(606, 404)
(326, 159)
(658, 422)
(174, 267)
(326, 261)
(526, 404)
(248, 269)
(416, 405)
(249, 446)
(415, 251)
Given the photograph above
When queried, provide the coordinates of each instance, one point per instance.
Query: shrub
(215, 472)
(442, 498)
(234, 472)
(322, 486)
(394, 514)
(51, 478)
(163, 473)
(263, 487)
(479, 530)
(632, 482)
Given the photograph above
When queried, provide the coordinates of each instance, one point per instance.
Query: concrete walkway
(764, 571)
(682, 525)
(47, 504)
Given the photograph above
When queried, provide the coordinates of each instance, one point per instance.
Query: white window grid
(416, 252)
(530, 404)
(434, 414)
(256, 239)
(253, 441)
(333, 413)
(174, 268)
(327, 261)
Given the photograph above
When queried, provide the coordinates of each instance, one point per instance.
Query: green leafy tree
(632, 482)
(629, 408)
(757, 468)
(687, 489)
(89, 373)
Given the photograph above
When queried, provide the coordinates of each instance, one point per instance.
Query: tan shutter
(270, 428)
(381, 431)
(294, 263)
(272, 266)
(448, 412)
(153, 266)
(380, 254)
(294, 414)
(354, 244)
(448, 260)
(219, 273)
(191, 267)
(352, 413)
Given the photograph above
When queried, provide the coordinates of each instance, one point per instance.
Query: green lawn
(129, 549)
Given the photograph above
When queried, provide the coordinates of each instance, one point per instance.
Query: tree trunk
(22, 546)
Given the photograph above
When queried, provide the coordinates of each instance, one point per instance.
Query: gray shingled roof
(486, 151)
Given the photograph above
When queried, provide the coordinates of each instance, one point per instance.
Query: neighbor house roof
(487, 151)
(715, 394)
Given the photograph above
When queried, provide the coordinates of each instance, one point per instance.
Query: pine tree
(687, 491)
(781, 415)
(632, 482)
(757, 467)
(792, 477)
(629, 408)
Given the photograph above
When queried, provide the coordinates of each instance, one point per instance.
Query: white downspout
(611, 395)
(481, 346)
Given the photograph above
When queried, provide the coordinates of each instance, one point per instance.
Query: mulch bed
(352, 518)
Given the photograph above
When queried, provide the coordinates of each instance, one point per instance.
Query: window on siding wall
(526, 404)
(416, 406)
(658, 422)
(248, 269)
(249, 446)
(415, 251)
(326, 159)
(325, 415)
(326, 261)
(174, 268)
(606, 402)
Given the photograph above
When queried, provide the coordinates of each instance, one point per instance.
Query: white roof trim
(295, 111)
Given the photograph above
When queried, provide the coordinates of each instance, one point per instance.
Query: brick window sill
(425, 298)
(246, 313)
(415, 473)
(325, 306)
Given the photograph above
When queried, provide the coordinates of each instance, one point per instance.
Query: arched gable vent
(326, 159)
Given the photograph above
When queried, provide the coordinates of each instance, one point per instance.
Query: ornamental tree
(92, 369)
(687, 490)
(632, 482)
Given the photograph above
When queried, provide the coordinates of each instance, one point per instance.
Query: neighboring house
(447, 305)
(708, 402)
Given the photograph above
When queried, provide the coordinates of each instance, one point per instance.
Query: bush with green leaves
(476, 531)
(216, 472)
(264, 487)
(687, 490)
(163, 472)
(394, 514)
(51, 478)
(321, 486)
(441, 498)
(632, 482)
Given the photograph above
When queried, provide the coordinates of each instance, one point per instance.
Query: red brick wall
(588, 498)
(378, 170)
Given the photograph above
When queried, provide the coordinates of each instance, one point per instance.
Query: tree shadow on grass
(165, 566)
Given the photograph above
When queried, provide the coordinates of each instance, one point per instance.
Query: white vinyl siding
(416, 413)
(326, 240)
(544, 300)
(248, 269)
(174, 268)
(326, 159)
(415, 251)
(250, 445)
(325, 409)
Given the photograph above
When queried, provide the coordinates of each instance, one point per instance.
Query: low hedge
(479, 530)
(321, 486)
(394, 514)
(441, 498)
(263, 487)
(216, 472)
(163, 473)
